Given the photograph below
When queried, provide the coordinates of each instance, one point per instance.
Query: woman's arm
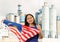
(39, 28)
(8, 22)
(14, 24)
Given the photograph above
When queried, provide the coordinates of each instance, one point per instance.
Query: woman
(30, 21)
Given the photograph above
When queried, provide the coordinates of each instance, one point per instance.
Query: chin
(31, 22)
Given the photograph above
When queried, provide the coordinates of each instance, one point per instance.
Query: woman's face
(30, 19)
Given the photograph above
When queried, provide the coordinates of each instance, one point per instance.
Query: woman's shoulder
(38, 25)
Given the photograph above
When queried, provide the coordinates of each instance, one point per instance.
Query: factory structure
(16, 17)
(58, 26)
(46, 17)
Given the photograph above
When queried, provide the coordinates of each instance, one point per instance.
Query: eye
(29, 18)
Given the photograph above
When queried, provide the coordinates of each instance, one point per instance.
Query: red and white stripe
(25, 34)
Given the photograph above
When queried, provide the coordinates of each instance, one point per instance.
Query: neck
(31, 25)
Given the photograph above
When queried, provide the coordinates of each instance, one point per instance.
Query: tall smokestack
(45, 19)
(19, 11)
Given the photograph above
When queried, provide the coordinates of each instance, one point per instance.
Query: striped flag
(22, 32)
(25, 34)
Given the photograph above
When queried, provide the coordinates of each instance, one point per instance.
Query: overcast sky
(28, 6)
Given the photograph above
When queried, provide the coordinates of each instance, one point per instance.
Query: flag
(14, 24)
(25, 33)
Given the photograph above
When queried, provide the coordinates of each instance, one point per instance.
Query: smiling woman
(30, 21)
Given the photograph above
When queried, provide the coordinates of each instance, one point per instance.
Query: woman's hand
(40, 36)
(2, 20)
(39, 28)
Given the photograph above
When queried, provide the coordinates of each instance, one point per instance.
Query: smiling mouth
(30, 21)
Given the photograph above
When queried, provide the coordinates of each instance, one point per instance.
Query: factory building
(47, 18)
